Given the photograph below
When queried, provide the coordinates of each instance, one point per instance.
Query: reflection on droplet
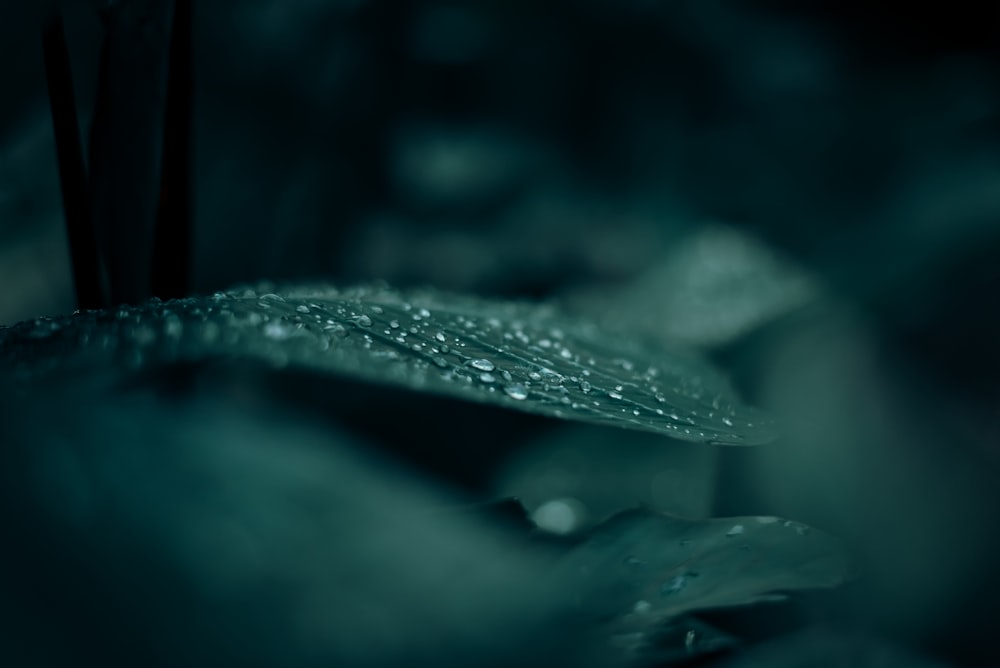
(173, 327)
(482, 365)
(674, 585)
(560, 516)
(335, 328)
(278, 330)
(516, 391)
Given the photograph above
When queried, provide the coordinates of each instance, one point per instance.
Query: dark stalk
(171, 271)
(80, 231)
(126, 142)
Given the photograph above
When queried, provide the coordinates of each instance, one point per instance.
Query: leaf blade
(521, 356)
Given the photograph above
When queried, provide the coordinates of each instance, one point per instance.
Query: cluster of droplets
(477, 349)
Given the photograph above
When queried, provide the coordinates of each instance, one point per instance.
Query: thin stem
(172, 245)
(72, 172)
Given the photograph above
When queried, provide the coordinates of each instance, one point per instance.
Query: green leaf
(219, 536)
(522, 356)
(645, 567)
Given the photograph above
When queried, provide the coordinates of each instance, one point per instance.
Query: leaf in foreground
(139, 532)
(522, 356)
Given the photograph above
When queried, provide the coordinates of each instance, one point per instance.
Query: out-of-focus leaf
(711, 288)
(516, 355)
(192, 534)
(675, 641)
(645, 567)
(599, 472)
(825, 648)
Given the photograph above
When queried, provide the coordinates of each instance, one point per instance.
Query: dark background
(566, 150)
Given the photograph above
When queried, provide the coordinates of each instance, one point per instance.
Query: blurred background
(809, 193)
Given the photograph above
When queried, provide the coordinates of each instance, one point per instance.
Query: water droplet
(674, 585)
(585, 386)
(173, 327)
(736, 530)
(800, 529)
(516, 391)
(726, 421)
(560, 516)
(615, 395)
(565, 353)
(278, 330)
(482, 364)
(440, 337)
(487, 377)
(394, 324)
(364, 321)
(302, 308)
(335, 328)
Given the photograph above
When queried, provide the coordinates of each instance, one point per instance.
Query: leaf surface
(651, 567)
(522, 356)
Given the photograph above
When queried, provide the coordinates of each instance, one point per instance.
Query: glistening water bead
(485, 351)
(482, 365)
(516, 391)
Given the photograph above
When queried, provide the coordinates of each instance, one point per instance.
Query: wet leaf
(521, 356)
(642, 567)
